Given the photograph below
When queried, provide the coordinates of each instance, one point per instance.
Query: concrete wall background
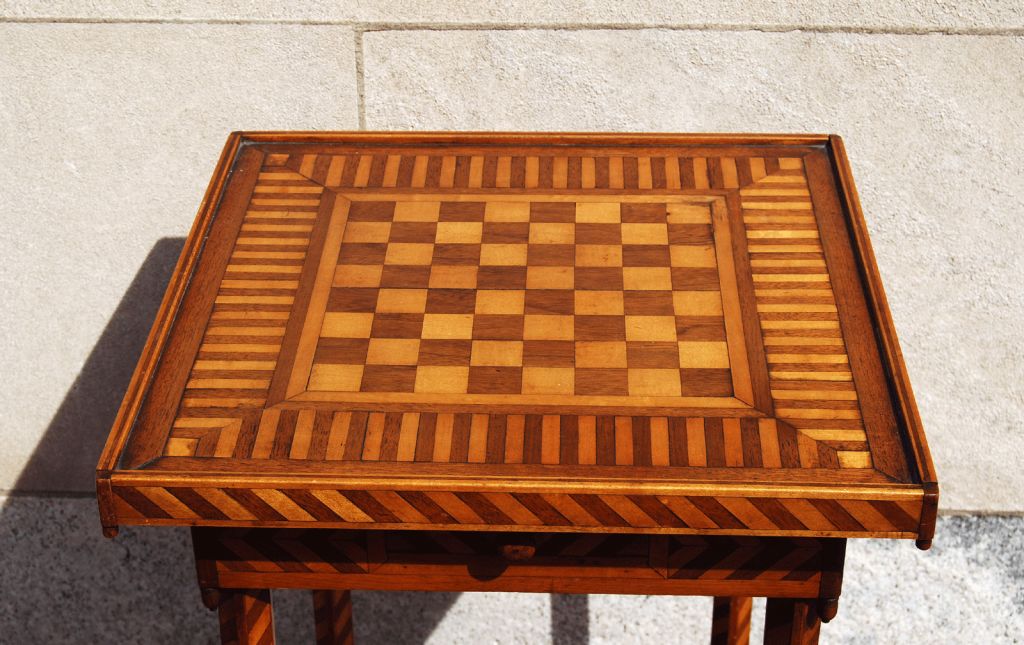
(112, 113)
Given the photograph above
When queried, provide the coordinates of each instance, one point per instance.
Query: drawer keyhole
(518, 552)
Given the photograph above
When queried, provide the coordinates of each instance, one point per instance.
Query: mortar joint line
(375, 26)
(360, 78)
(714, 27)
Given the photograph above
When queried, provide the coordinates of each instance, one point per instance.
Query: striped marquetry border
(467, 438)
(808, 368)
(809, 372)
(515, 510)
(243, 339)
(388, 170)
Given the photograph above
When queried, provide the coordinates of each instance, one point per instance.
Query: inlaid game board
(525, 332)
(557, 302)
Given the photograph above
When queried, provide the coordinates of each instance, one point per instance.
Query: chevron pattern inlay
(332, 612)
(694, 557)
(246, 618)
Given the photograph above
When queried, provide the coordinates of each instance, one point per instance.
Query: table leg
(245, 617)
(730, 621)
(332, 611)
(791, 621)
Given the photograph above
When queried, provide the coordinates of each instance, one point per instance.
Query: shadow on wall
(71, 446)
(143, 580)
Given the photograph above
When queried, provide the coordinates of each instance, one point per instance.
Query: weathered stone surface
(931, 126)
(109, 135)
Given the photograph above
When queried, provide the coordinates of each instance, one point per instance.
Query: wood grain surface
(442, 330)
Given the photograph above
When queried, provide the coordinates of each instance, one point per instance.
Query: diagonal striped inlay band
(297, 507)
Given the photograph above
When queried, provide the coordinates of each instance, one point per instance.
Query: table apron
(231, 558)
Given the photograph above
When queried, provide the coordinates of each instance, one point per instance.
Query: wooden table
(578, 363)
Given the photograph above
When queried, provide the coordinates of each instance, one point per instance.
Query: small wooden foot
(790, 621)
(730, 621)
(246, 617)
(332, 611)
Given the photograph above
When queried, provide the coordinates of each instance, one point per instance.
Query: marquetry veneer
(657, 335)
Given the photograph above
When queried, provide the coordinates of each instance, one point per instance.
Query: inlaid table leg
(245, 617)
(730, 621)
(332, 611)
(791, 621)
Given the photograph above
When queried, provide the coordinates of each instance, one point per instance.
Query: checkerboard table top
(650, 333)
